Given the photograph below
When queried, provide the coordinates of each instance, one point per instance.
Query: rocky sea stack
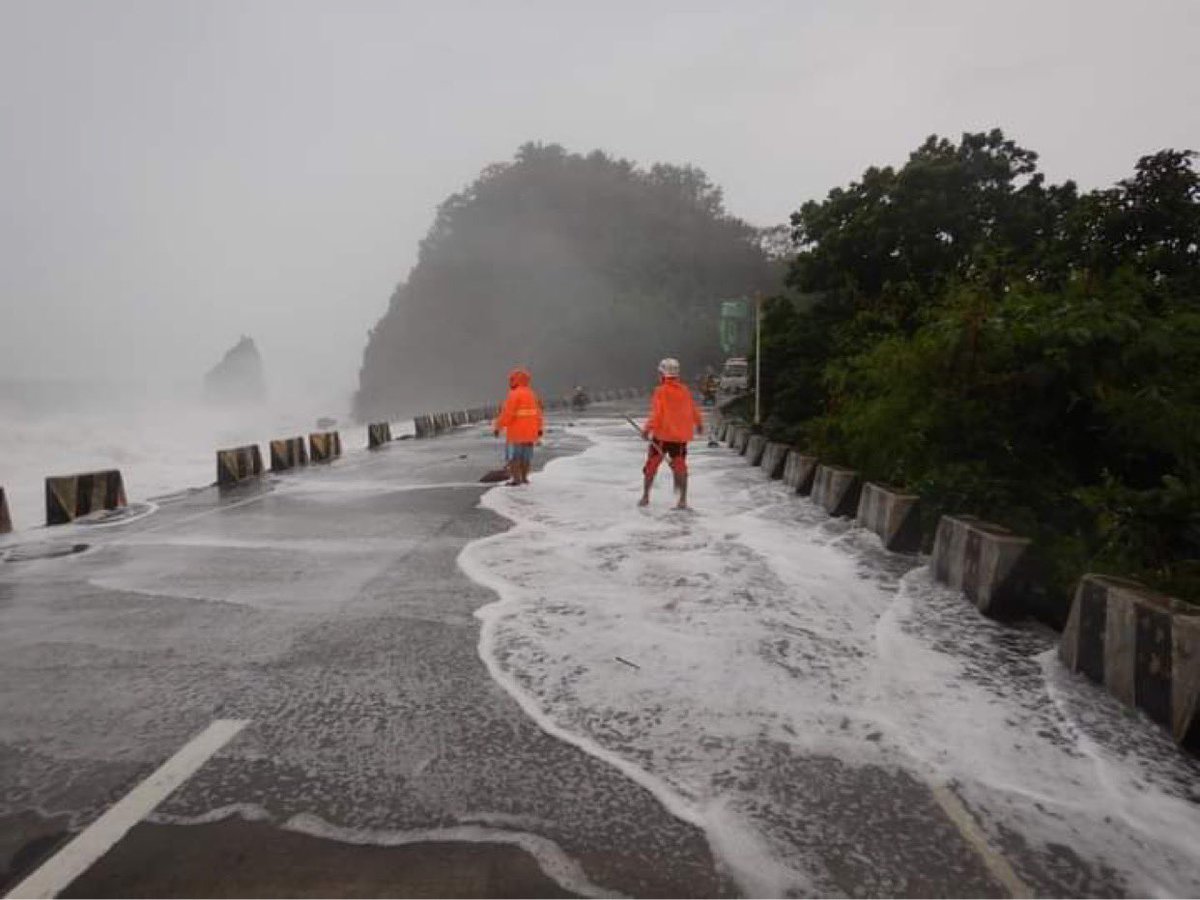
(238, 378)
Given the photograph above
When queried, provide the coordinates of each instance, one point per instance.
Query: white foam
(551, 859)
(758, 619)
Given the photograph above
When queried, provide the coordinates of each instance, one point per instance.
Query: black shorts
(676, 450)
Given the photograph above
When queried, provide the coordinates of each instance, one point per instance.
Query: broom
(495, 475)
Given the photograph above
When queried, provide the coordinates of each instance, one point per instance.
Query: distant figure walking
(521, 421)
(674, 420)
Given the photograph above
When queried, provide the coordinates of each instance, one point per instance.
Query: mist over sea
(162, 436)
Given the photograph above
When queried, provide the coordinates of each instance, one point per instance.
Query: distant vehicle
(735, 377)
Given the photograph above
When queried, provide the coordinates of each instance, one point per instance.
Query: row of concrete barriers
(1144, 647)
(70, 496)
(434, 423)
(237, 464)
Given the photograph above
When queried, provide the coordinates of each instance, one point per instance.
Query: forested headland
(585, 268)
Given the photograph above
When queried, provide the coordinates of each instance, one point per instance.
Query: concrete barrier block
(893, 515)
(71, 496)
(756, 445)
(378, 434)
(422, 427)
(324, 446)
(5, 518)
(1185, 681)
(741, 439)
(288, 453)
(798, 471)
(985, 561)
(1144, 647)
(774, 459)
(731, 433)
(238, 463)
(836, 490)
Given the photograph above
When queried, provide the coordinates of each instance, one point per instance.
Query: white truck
(735, 377)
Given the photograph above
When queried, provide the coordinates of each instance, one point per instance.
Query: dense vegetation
(587, 269)
(1007, 347)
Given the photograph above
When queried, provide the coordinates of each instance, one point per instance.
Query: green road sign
(735, 326)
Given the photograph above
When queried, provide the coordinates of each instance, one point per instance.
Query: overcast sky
(175, 174)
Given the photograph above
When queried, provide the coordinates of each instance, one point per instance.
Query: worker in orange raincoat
(674, 420)
(521, 420)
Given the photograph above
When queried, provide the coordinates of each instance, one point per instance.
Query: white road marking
(98, 838)
(1000, 867)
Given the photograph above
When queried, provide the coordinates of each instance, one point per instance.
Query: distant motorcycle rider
(579, 399)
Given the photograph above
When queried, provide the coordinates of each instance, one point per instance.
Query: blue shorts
(519, 453)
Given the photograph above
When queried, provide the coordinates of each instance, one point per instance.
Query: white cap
(669, 368)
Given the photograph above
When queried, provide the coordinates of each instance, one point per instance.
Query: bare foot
(645, 501)
(682, 505)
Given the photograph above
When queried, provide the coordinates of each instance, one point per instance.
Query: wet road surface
(328, 609)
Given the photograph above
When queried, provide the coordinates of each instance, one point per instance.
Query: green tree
(1008, 348)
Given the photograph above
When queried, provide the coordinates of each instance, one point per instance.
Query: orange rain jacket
(674, 417)
(521, 416)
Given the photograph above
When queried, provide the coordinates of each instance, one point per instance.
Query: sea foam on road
(696, 651)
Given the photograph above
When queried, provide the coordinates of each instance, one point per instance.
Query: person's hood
(518, 378)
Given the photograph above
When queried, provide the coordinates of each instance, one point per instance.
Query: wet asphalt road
(326, 608)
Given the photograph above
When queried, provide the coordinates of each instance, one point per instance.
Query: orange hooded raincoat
(674, 417)
(521, 416)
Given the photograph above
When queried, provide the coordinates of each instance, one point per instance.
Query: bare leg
(681, 480)
(525, 466)
(647, 483)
